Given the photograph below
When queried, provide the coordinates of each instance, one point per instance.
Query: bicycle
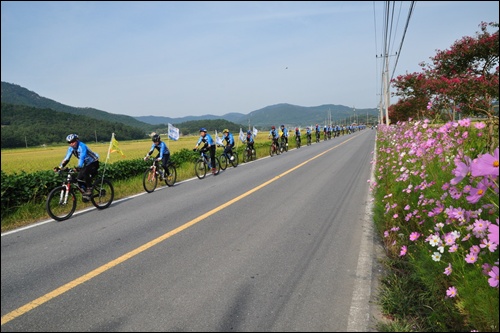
(308, 139)
(225, 160)
(317, 136)
(297, 141)
(283, 146)
(155, 172)
(249, 154)
(61, 201)
(202, 164)
(274, 149)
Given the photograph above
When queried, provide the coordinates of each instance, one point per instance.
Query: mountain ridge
(282, 113)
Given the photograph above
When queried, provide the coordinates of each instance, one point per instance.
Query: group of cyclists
(88, 161)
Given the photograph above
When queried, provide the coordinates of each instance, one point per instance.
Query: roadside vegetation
(436, 195)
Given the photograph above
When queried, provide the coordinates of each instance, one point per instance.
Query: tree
(463, 78)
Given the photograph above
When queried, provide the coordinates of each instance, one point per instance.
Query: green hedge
(21, 188)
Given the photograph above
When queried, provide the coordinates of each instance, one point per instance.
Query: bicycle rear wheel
(200, 168)
(235, 161)
(223, 162)
(56, 208)
(172, 175)
(150, 180)
(103, 193)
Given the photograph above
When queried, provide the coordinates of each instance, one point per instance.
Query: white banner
(242, 136)
(255, 131)
(218, 139)
(173, 132)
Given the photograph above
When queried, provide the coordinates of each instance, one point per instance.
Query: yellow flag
(114, 147)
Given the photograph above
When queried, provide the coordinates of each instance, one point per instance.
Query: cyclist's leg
(212, 156)
(228, 151)
(81, 178)
(164, 163)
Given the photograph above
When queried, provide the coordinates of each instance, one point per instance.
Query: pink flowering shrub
(439, 194)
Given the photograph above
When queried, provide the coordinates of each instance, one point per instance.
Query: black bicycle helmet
(203, 129)
(249, 132)
(155, 138)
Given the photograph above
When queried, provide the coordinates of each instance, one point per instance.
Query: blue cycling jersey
(83, 153)
(161, 147)
(206, 139)
(228, 138)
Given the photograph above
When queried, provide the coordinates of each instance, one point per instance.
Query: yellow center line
(70, 285)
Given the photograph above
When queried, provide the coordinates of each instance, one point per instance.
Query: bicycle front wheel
(217, 166)
(200, 168)
(103, 193)
(271, 150)
(172, 175)
(223, 161)
(58, 206)
(150, 180)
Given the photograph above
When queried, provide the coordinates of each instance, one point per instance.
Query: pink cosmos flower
(403, 251)
(475, 249)
(414, 236)
(485, 165)
(448, 270)
(493, 233)
(478, 192)
(493, 280)
(470, 258)
(486, 268)
(464, 122)
(451, 292)
(480, 125)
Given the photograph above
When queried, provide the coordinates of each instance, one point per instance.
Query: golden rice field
(33, 159)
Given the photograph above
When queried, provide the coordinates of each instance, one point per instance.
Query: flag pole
(107, 157)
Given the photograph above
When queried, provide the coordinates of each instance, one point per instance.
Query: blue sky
(177, 59)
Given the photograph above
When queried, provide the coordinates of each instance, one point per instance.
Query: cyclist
(250, 141)
(228, 148)
(284, 134)
(88, 163)
(274, 135)
(317, 132)
(297, 134)
(209, 144)
(163, 153)
(308, 133)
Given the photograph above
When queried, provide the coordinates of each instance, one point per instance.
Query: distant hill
(17, 95)
(291, 115)
(24, 126)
